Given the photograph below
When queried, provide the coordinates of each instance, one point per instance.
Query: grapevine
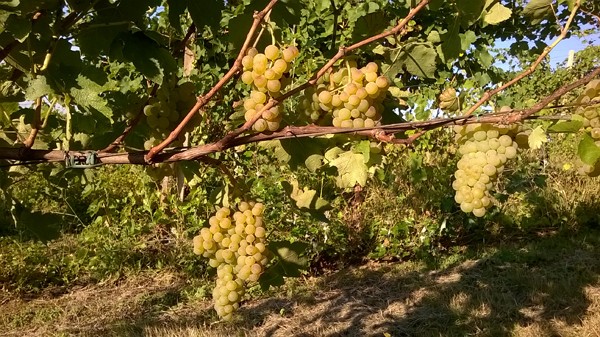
(348, 98)
(267, 73)
(484, 150)
(235, 245)
(162, 113)
(590, 115)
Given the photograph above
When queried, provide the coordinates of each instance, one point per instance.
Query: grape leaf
(18, 26)
(497, 13)
(418, 59)
(314, 162)
(566, 127)
(9, 4)
(537, 138)
(351, 168)
(587, 150)
(538, 10)
(364, 147)
(148, 57)
(289, 263)
(306, 199)
(37, 87)
(469, 11)
(205, 13)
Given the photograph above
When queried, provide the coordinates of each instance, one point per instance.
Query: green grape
(258, 97)
(351, 88)
(272, 52)
(347, 124)
(358, 123)
(149, 110)
(290, 53)
(371, 88)
(271, 74)
(325, 97)
(273, 125)
(280, 67)
(371, 77)
(260, 125)
(382, 82)
(273, 85)
(261, 82)
(247, 77)
(247, 62)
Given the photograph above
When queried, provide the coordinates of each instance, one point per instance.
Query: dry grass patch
(549, 287)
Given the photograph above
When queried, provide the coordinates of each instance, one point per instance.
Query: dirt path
(544, 289)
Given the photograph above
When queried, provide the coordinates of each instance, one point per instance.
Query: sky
(560, 53)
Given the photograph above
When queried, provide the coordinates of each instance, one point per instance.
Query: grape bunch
(235, 245)
(484, 150)
(591, 122)
(163, 111)
(267, 73)
(350, 97)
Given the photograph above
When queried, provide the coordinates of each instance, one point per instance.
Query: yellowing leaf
(351, 169)
(497, 14)
(537, 138)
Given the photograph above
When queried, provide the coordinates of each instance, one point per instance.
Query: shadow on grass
(543, 281)
(547, 283)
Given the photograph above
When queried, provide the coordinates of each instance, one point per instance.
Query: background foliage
(86, 70)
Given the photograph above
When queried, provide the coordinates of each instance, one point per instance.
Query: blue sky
(561, 52)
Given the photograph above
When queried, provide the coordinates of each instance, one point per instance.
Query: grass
(547, 285)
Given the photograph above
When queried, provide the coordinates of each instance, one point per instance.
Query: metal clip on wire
(82, 161)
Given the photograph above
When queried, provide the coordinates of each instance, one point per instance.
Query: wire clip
(82, 161)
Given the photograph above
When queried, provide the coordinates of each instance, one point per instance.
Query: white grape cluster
(350, 97)
(484, 150)
(267, 73)
(163, 111)
(591, 122)
(235, 245)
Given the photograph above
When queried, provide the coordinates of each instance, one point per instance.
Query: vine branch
(202, 100)
(132, 123)
(563, 33)
(198, 152)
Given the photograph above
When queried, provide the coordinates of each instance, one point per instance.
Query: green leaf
(41, 226)
(418, 59)
(175, 9)
(314, 162)
(305, 199)
(587, 150)
(351, 168)
(18, 26)
(497, 13)
(289, 263)
(369, 25)
(148, 57)
(537, 138)
(566, 127)
(37, 88)
(96, 39)
(434, 37)
(537, 10)
(467, 39)
(9, 4)
(364, 147)
(333, 153)
(206, 13)
(86, 95)
(469, 11)
(450, 47)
